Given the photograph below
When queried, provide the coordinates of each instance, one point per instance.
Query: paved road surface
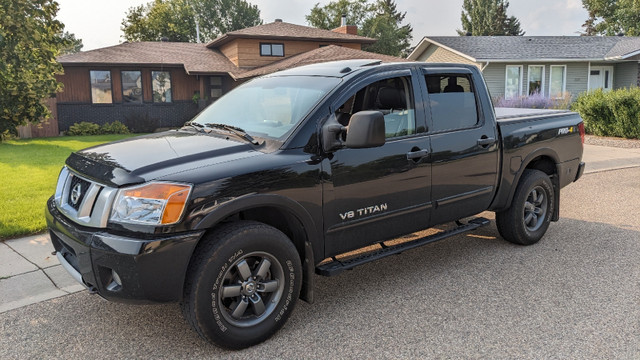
(576, 294)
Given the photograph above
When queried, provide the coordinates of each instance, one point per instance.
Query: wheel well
(544, 164)
(279, 219)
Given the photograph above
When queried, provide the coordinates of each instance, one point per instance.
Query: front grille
(83, 201)
(78, 190)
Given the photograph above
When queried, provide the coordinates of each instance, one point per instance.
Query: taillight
(581, 129)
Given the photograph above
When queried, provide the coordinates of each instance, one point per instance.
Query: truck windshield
(268, 107)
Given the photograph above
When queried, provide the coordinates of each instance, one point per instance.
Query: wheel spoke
(534, 195)
(263, 268)
(538, 211)
(244, 270)
(240, 308)
(528, 218)
(540, 199)
(268, 286)
(231, 291)
(258, 305)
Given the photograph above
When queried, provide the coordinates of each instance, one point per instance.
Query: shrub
(536, 101)
(87, 128)
(83, 128)
(115, 127)
(615, 113)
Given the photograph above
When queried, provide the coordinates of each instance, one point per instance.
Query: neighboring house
(163, 84)
(552, 65)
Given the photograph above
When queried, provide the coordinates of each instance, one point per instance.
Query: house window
(101, 86)
(271, 49)
(536, 79)
(513, 82)
(215, 83)
(161, 84)
(131, 86)
(557, 80)
(453, 101)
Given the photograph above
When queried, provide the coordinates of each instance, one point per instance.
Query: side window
(393, 97)
(453, 101)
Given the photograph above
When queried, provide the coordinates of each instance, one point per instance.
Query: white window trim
(564, 78)
(529, 78)
(506, 78)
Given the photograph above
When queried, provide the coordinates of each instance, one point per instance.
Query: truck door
(464, 146)
(377, 193)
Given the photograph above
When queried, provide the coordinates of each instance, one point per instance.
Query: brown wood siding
(230, 50)
(78, 90)
(248, 51)
(76, 85)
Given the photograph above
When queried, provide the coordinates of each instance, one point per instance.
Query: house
(514, 66)
(149, 85)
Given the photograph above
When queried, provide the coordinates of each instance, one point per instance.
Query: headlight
(154, 204)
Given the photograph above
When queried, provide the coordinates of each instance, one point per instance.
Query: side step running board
(336, 266)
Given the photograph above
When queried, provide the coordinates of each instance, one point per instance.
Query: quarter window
(557, 80)
(536, 79)
(513, 82)
(452, 100)
(161, 83)
(271, 49)
(101, 87)
(131, 86)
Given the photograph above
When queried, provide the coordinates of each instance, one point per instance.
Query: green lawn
(28, 173)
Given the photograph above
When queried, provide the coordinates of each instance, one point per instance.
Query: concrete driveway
(576, 294)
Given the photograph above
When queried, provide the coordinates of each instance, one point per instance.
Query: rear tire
(529, 216)
(242, 284)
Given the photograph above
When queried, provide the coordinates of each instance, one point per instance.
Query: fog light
(116, 282)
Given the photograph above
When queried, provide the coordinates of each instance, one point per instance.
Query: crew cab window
(453, 101)
(392, 97)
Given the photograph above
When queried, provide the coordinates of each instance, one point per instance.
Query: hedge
(614, 113)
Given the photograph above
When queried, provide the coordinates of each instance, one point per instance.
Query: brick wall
(139, 117)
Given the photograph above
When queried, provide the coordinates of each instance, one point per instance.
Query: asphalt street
(576, 294)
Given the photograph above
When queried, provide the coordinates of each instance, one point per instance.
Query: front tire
(242, 284)
(529, 216)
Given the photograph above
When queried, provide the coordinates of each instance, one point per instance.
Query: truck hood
(144, 158)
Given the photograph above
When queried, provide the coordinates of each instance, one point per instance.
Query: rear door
(464, 145)
(378, 193)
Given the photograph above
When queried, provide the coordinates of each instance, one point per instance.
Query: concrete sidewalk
(30, 274)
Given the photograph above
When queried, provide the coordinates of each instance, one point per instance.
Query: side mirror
(366, 130)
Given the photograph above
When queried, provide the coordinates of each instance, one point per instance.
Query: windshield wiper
(234, 130)
(195, 125)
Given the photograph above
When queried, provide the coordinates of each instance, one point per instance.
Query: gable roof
(195, 58)
(534, 48)
(323, 54)
(285, 31)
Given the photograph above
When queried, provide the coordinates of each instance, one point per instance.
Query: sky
(97, 22)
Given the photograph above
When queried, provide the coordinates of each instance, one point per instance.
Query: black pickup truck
(233, 214)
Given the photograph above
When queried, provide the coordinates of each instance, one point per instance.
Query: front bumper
(122, 268)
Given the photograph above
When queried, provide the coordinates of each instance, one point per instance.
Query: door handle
(413, 155)
(486, 141)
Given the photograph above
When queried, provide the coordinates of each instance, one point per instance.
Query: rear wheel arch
(544, 160)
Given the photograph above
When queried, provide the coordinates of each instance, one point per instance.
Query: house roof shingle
(323, 54)
(196, 58)
(505, 48)
(286, 31)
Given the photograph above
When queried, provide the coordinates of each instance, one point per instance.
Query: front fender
(312, 243)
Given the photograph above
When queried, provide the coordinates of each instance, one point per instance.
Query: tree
(73, 45)
(29, 43)
(612, 17)
(176, 19)
(488, 18)
(380, 20)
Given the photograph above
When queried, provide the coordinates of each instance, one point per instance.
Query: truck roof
(338, 69)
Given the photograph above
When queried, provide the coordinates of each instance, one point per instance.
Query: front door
(378, 193)
(601, 77)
